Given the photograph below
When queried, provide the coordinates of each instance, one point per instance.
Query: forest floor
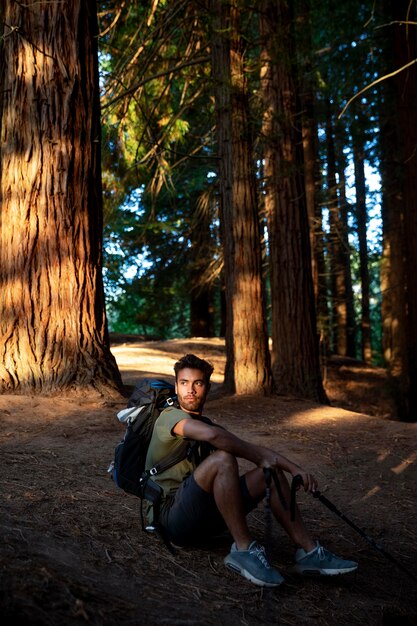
(73, 552)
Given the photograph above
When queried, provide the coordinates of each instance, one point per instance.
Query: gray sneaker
(253, 565)
(321, 562)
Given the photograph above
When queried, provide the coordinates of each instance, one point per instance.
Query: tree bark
(362, 220)
(201, 289)
(400, 212)
(53, 328)
(311, 161)
(336, 245)
(248, 364)
(296, 366)
(344, 214)
(393, 307)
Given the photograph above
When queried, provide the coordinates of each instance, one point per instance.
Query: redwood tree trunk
(399, 174)
(296, 367)
(312, 174)
(311, 162)
(248, 366)
(53, 329)
(403, 331)
(393, 307)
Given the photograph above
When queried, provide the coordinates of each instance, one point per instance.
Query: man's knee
(219, 462)
(255, 482)
(223, 460)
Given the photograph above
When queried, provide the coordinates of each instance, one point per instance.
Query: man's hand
(307, 481)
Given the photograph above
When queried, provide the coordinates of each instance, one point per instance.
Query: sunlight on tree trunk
(248, 366)
(52, 320)
(296, 367)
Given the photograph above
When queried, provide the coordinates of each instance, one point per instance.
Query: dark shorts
(191, 515)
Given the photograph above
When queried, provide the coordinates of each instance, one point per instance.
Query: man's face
(191, 390)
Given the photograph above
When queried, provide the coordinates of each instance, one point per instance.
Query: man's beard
(192, 405)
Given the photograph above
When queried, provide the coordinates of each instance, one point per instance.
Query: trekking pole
(267, 509)
(297, 481)
(270, 476)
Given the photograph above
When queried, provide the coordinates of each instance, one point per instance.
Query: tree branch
(375, 82)
(131, 90)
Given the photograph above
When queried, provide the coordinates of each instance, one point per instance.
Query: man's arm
(223, 439)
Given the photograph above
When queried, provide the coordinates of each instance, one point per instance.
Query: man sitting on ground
(204, 495)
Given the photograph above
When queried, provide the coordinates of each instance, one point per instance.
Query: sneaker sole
(322, 572)
(250, 577)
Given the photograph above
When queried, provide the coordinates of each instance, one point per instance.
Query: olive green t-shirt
(163, 442)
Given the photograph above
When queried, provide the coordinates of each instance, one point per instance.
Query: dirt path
(73, 551)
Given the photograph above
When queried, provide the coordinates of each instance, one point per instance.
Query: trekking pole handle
(297, 481)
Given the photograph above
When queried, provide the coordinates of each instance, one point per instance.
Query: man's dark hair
(195, 363)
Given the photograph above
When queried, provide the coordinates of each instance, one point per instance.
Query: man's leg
(255, 480)
(311, 557)
(219, 474)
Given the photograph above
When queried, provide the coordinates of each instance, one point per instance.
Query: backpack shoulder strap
(183, 450)
(170, 460)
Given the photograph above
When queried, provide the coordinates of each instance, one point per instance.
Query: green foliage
(159, 157)
(156, 158)
(150, 309)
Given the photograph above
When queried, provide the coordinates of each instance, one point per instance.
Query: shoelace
(259, 552)
(323, 554)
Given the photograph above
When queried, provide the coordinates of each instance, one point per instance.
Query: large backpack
(148, 399)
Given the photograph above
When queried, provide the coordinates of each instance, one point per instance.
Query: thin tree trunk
(248, 365)
(317, 243)
(296, 366)
(53, 332)
(362, 219)
(350, 309)
(336, 245)
(201, 313)
(201, 292)
(311, 161)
